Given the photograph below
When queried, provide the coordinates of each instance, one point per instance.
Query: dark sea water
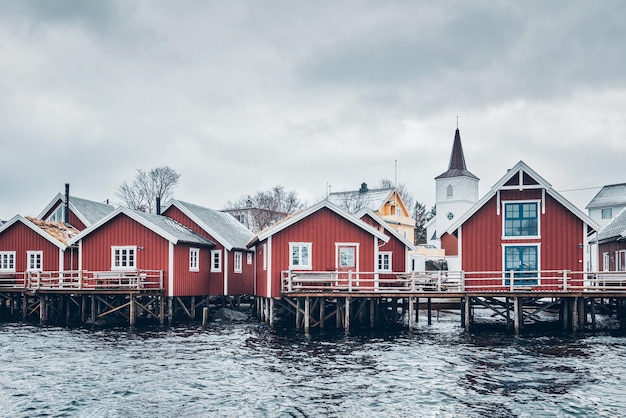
(247, 369)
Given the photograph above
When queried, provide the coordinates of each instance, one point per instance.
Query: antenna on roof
(457, 121)
(395, 180)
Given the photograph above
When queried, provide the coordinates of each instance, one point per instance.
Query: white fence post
(350, 281)
(511, 279)
(289, 281)
(565, 280)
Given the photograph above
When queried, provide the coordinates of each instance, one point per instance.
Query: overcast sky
(240, 96)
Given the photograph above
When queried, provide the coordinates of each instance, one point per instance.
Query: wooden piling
(429, 308)
(347, 315)
(516, 315)
(307, 314)
(271, 314)
(205, 316)
(467, 308)
(322, 312)
(411, 314)
(372, 313)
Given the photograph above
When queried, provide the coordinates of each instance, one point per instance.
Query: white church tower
(456, 192)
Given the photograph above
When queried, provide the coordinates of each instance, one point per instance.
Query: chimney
(66, 217)
(158, 205)
(363, 188)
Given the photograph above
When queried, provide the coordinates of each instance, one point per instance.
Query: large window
(607, 213)
(7, 261)
(123, 258)
(216, 261)
(384, 261)
(300, 255)
(58, 215)
(606, 261)
(194, 256)
(238, 262)
(523, 261)
(34, 260)
(521, 219)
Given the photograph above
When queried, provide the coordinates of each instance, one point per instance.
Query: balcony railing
(84, 280)
(451, 281)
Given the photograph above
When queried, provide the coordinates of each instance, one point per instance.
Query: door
(347, 264)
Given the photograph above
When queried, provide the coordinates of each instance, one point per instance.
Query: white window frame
(521, 237)
(506, 274)
(216, 261)
(34, 260)
(606, 211)
(620, 260)
(238, 262)
(194, 259)
(249, 258)
(381, 256)
(264, 256)
(7, 261)
(300, 246)
(58, 215)
(606, 261)
(129, 249)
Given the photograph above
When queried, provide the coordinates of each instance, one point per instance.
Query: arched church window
(450, 191)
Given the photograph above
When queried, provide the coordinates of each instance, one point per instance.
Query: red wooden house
(32, 245)
(321, 238)
(232, 268)
(127, 240)
(78, 212)
(522, 229)
(394, 255)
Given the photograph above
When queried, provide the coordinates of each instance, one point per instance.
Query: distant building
(603, 209)
(385, 202)
(612, 244)
(456, 192)
(256, 219)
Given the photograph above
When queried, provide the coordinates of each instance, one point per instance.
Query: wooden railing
(452, 281)
(84, 280)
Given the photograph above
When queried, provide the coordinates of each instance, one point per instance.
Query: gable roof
(223, 227)
(387, 227)
(614, 230)
(88, 211)
(523, 171)
(57, 233)
(372, 199)
(457, 167)
(287, 222)
(166, 227)
(611, 195)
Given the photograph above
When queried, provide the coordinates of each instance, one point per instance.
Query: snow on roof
(611, 195)
(372, 199)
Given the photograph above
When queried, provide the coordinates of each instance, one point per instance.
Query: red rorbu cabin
(522, 229)
(232, 267)
(32, 245)
(322, 238)
(127, 240)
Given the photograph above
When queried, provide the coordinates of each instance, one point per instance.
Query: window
(194, 256)
(300, 255)
(450, 216)
(240, 218)
(58, 215)
(523, 261)
(123, 258)
(450, 191)
(7, 261)
(346, 257)
(34, 260)
(249, 258)
(384, 261)
(606, 262)
(620, 259)
(398, 211)
(216, 261)
(238, 262)
(521, 219)
(607, 213)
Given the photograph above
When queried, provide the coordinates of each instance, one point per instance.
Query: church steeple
(457, 167)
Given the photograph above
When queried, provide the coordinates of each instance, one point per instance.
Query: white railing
(12, 280)
(95, 280)
(452, 281)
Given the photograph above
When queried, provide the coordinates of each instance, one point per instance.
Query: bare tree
(142, 192)
(420, 216)
(264, 208)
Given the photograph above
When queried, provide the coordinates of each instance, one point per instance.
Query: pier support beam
(517, 314)
(429, 308)
(322, 312)
(271, 313)
(307, 314)
(468, 309)
(411, 314)
(372, 313)
(347, 315)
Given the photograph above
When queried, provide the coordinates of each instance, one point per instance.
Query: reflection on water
(249, 370)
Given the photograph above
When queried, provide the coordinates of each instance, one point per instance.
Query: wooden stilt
(417, 310)
(93, 309)
(508, 313)
(132, 311)
(346, 322)
(161, 309)
(68, 308)
(582, 313)
(411, 314)
(566, 313)
(575, 314)
(372, 313)
(593, 313)
(170, 310)
(516, 315)
(298, 312)
(430, 311)
(394, 307)
(205, 316)
(25, 306)
(271, 313)
(467, 316)
(192, 308)
(83, 309)
(322, 311)
(307, 314)
(338, 314)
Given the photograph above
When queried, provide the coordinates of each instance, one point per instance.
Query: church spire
(457, 167)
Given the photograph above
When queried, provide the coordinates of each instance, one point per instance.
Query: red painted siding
(450, 244)
(561, 233)
(119, 231)
(238, 283)
(611, 248)
(323, 229)
(20, 238)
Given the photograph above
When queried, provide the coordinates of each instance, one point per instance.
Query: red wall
(397, 247)
(20, 238)
(561, 233)
(323, 229)
(238, 283)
